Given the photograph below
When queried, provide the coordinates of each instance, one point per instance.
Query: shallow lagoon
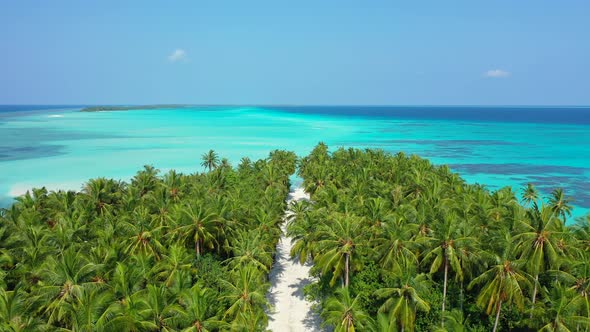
(61, 147)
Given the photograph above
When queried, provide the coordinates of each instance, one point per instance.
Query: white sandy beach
(19, 189)
(290, 312)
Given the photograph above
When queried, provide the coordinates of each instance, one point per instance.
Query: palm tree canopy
(151, 255)
(397, 243)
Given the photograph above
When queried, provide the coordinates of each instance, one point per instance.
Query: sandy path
(291, 312)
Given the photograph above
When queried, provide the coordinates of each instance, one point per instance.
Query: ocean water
(60, 147)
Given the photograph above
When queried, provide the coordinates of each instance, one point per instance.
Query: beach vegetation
(162, 252)
(395, 243)
(416, 248)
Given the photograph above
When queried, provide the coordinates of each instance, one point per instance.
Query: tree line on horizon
(398, 244)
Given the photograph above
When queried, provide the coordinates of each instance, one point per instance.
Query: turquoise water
(62, 148)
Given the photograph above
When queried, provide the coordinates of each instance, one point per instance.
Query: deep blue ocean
(58, 147)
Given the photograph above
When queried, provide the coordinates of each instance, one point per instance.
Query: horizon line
(311, 105)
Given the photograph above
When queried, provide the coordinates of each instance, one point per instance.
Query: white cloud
(178, 55)
(497, 73)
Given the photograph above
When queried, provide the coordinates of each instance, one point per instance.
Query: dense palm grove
(397, 244)
(168, 252)
(401, 245)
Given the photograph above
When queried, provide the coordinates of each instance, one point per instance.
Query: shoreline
(20, 189)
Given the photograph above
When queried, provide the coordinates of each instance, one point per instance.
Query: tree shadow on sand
(283, 263)
(312, 320)
(276, 272)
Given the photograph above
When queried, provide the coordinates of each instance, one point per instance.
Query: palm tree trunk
(198, 248)
(497, 316)
(461, 296)
(534, 294)
(346, 268)
(442, 320)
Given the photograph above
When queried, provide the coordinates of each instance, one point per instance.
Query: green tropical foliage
(396, 244)
(170, 252)
(210, 160)
(399, 244)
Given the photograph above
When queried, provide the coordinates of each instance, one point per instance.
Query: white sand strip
(291, 312)
(19, 189)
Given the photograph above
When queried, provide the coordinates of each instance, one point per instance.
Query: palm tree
(15, 314)
(395, 244)
(560, 204)
(210, 160)
(270, 175)
(249, 321)
(377, 211)
(35, 200)
(176, 261)
(538, 244)
(405, 300)
(267, 224)
(577, 279)
(503, 283)
(562, 311)
(145, 180)
(103, 194)
(384, 324)
(126, 280)
(285, 160)
(162, 306)
(131, 313)
(249, 249)
(448, 245)
(198, 224)
(318, 180)
(301, 230)
(245, 292)
(142, 237)
(198, 315)
(65, 278)
(89, 310)
(455, 322)
(60, 204)
(34, 243)
(245, 164)
(530, 195)
(340, 237)
(345, 313)
(174, 184)
(581, 231)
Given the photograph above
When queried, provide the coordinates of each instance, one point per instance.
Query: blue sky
(525, 52)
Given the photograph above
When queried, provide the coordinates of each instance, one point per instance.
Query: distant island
(104, 108)
(130, 108)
